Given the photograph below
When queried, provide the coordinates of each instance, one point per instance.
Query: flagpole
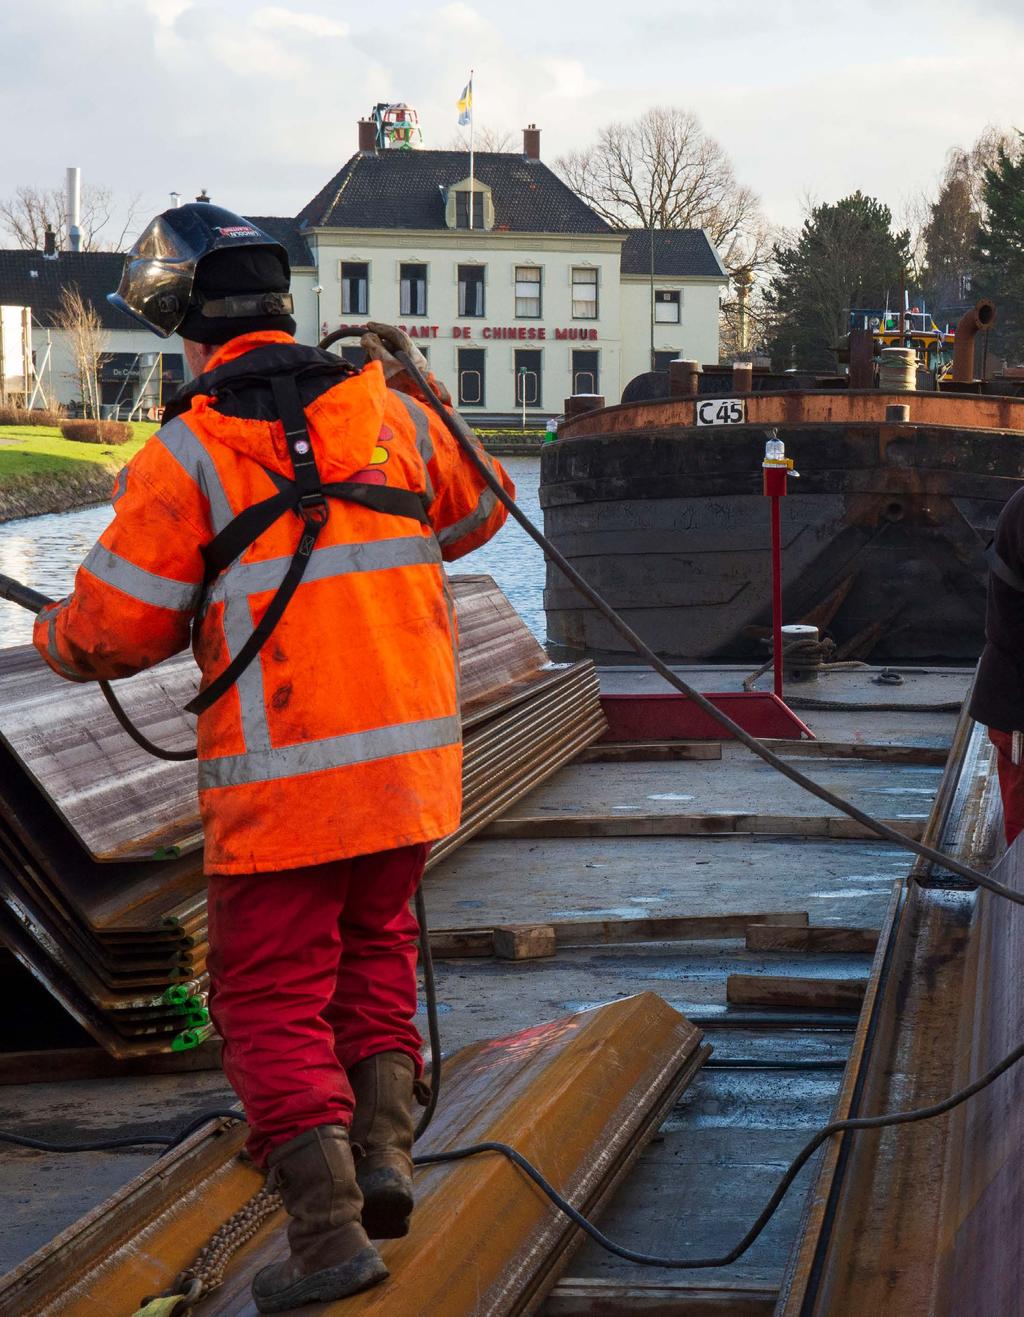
(472, 182)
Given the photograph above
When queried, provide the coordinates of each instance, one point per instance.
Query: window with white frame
(471, 377)
(666, 306)
(462, 209)
(412, 290)
(355, 288)
(471, 290)
(584, 293)
(528, 292)
(528, 363)
(586, 376)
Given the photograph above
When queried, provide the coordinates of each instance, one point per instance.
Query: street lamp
(321, 327)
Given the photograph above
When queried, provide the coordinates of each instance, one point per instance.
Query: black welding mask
(208, 274)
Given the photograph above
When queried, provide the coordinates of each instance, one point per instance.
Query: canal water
(43, 552)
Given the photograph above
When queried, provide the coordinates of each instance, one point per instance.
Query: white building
(531, 297)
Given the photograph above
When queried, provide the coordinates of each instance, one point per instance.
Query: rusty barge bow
(883, 534)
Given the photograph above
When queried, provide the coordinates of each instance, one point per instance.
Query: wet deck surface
(698, 1188)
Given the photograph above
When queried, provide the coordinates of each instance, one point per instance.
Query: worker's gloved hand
(380, 341)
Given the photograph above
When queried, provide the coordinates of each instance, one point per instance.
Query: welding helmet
(206, 273)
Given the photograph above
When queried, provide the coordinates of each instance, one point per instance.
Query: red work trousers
(1011, 783)
(311, 971)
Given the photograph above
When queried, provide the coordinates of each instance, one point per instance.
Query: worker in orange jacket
(291, 517)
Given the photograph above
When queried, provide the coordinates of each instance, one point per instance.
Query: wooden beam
(886, 754)
(769, 937)
(536, 826)
(524, 941)
(461, 943)
(585, 1297)
(674, 928)
(813, 994)
(464, 943)
(626, 752)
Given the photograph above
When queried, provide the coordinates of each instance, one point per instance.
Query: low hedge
(30, 416)
(97, 432)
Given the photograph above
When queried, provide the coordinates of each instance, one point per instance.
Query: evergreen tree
(1000, 270)
(846, 256)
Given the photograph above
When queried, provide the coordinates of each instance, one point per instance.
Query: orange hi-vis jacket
(343, 736)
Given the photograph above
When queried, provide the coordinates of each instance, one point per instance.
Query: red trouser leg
(375, 995)
(1011, 784)
(275, 950)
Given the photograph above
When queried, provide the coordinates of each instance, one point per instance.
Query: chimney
(50, 244)
(367, 137)
(74, 208)
(531, 142)
(175, 199)
(203, 196)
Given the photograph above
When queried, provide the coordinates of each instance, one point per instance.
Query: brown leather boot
(331, 1256)
(382, 1133)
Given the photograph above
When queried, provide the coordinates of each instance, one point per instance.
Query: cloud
(275, 18)
(258, 102)
(568, 79)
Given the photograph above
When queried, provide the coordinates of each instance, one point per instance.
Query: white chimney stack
(74, 208)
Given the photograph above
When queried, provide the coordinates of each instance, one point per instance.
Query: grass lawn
(28, 450)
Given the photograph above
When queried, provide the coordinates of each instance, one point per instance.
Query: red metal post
(776, 467)
(777, 587)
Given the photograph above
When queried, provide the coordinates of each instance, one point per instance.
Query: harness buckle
(313, 508)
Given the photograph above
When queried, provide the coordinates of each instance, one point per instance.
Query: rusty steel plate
(578, 1096)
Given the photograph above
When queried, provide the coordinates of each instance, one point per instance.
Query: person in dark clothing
(998, 699)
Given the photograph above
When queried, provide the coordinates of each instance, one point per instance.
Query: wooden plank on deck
(771, 937)
(815, 994)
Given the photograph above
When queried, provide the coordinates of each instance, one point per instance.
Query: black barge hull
(883, 533)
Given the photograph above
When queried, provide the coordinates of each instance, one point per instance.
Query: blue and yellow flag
(464, 105)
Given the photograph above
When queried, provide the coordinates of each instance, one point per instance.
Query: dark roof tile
(678, 253)
(28, 278)
(288, 233)
(406, 190)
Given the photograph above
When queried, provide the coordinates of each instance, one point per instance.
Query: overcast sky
(258, 102)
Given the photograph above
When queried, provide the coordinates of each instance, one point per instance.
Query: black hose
(464, 436)
(26, 597)
(166, 1141)
(781, 1189)
(433, 1028)
(850, 1125)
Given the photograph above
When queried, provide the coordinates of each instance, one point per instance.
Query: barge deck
(648, 863)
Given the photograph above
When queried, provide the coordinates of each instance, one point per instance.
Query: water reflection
(44, 552)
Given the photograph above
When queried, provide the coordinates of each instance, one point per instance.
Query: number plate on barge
(721, 411)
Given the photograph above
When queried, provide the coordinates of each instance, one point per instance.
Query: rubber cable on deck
(852, 1125)
(166, 1141)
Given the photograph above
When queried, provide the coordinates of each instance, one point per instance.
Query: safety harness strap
(267, 623)
(306, 496)
(999, 567)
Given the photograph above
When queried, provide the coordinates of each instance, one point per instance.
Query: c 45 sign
(721, 411)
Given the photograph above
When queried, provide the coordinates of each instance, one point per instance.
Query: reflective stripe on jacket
(343, 737)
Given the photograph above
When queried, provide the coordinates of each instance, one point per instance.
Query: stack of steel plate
(102, 894)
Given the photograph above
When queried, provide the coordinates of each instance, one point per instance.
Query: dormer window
(462, 210)
(458, 203)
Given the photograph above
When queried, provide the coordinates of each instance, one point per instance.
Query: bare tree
(484, 139)
(951, 223)
(663, 171)
(30, 211)
(79, 321)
